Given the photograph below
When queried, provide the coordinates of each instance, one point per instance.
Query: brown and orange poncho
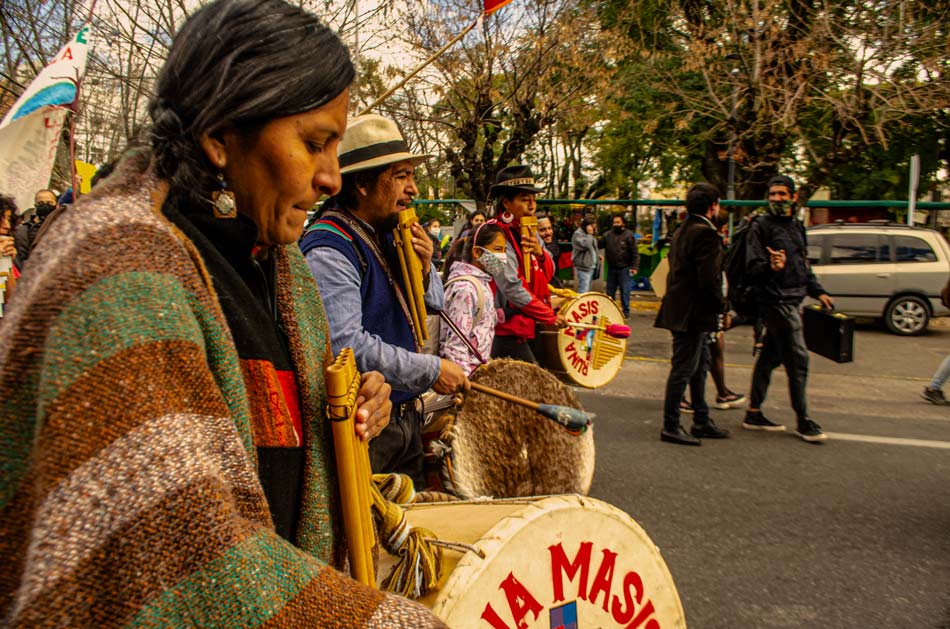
(129, 486)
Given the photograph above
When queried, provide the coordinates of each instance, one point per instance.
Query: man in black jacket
(620, 252)
(777, 262)
(690, 310)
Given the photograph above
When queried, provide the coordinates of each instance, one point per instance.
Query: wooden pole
(409, 76)
(514, 399)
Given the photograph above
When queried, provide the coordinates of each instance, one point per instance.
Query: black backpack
(740, 291)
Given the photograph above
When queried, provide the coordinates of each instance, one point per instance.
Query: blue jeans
(943, 372)
(584, 278)
(620, 278)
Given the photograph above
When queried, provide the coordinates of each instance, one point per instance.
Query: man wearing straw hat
(351, 254)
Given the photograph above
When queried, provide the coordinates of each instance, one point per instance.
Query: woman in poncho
(165, 454)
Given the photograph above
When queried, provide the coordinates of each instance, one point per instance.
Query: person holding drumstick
(351, 253)
(525, 302)
(168, 459)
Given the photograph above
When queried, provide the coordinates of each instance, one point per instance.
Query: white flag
(29, 133)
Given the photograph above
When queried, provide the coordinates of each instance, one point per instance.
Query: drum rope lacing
(459, 547)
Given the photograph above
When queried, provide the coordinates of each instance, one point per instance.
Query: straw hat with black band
(371, 141)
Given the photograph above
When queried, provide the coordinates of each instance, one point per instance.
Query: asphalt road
(765, 530)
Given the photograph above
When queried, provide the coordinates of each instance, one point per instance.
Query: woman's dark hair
(461, 248)
(498, 202)
(8, 205)
(474, 213)
(244, 63)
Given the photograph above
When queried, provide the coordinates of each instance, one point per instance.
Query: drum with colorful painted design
(584, 356)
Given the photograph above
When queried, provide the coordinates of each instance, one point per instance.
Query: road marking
(894, 441)
(648, 359)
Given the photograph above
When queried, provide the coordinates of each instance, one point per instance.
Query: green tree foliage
(817, 84)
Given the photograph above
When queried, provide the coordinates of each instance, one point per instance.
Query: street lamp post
(731, 185)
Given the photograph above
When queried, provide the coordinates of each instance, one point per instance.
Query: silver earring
(222, 200)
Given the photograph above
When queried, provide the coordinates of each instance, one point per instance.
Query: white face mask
(435, 231)
(493, 263)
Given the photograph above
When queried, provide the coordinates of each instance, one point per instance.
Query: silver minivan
(885, 270)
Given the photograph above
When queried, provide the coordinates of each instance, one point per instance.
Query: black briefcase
(829, 333)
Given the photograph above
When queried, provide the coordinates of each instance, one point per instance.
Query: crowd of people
(167, 457)
(163, 357)
(696, 312)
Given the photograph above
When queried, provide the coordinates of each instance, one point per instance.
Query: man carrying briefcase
(776, 259)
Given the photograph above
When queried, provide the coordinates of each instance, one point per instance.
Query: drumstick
(576, 421)
(616, 330)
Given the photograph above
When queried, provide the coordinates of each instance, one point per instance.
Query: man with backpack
(690, 311)
(776, 265)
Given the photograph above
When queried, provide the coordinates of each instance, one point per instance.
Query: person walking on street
(690, 310)
(584, 255)
(623, 259)
(777, 263)
(933, 392)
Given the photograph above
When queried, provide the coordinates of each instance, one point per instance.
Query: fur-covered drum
(587, 357)
(557, 561)
(499, 449)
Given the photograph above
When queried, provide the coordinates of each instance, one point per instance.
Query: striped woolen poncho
(129, 493)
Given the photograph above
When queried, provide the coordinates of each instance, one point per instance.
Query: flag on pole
(29, 133)
(494, 5)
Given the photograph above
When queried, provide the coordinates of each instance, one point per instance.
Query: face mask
(434, 231)
(780, 208)
(493, 263)
(618, 230)
(44, 209)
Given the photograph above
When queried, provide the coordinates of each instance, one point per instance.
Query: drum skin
(539, 563)
(504, 450)
(586, 358)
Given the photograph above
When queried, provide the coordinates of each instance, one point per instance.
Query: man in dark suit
(690, 310)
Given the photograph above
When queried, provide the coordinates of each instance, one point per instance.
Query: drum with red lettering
(586, 356)
(558, 561)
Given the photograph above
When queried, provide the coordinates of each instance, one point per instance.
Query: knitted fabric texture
(129, 492)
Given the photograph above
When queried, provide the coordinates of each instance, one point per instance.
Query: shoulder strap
(478, 290)
(327, 224)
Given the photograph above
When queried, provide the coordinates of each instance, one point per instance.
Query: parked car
(882, 270)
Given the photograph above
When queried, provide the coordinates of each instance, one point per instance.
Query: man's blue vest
(382, 315)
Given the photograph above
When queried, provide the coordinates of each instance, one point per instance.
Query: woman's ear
(216, 145)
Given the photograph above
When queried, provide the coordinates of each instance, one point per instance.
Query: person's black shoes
(680, 437)
(757, 421)
(810, 431)
(934, 396)
(708, 430)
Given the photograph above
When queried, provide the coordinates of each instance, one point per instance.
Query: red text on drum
(522, 602)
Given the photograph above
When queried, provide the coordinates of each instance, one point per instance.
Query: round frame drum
(557, 561)
(504, 450)
(589, 358)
